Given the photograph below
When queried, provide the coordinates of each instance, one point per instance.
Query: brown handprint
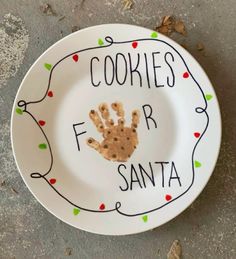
(119, 141)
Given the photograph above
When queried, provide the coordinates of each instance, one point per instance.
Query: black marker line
(78, 134)
(151, 39)
(49, 146)
(171, 69)
(126, 68)
(73, 53)
(24, 104)
(152, 210)
(147, 74)
(77, 206)
(105, 70)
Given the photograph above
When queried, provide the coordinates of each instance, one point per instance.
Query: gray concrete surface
(207, 229)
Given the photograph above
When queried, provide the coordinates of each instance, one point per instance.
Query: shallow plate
(116, 129)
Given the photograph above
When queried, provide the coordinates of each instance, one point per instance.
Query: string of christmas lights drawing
(23, 108)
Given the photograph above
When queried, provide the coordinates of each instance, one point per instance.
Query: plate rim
(213, 165)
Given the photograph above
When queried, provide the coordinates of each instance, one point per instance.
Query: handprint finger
(118, 108)
(135, 118)
(94, 144)
(94, 116)
(103, 108)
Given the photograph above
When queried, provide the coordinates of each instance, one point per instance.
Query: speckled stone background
(207, 229)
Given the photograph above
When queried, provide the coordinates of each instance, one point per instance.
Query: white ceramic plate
(147, 170)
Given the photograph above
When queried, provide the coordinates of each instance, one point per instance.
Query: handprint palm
(119, 141)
